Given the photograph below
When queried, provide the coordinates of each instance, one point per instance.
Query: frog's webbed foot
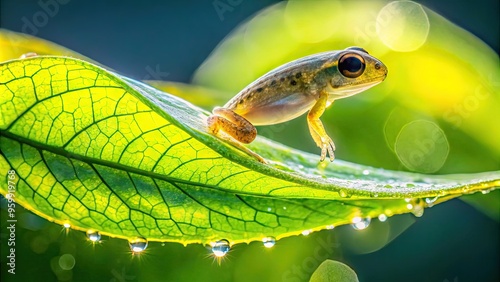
(234, 125)
(329, 146)
(317, 130)
(325, 143)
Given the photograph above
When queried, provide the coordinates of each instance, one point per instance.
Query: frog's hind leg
(234, 125)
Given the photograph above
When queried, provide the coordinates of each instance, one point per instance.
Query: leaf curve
(104, 152)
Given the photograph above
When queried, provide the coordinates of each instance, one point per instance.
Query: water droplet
(284, 208)
(94, 236)
(430, 201)
(382, 217)
(407, 200)
(306, 232)
(67, 225)
(322, 165)
(387, 186)
(410, 185)
(269, 242)
(418, 212)
(416, 206)
(330, 227)
(465, 189)
(359, 223)
(221, 248)
(138, 244)
(343, 193)
(366, 172)
(269, 209)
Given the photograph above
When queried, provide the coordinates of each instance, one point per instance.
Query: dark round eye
(351, 65)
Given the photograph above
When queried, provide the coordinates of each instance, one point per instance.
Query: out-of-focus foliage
(333, 271)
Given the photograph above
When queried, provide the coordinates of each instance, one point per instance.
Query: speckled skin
(310, 83)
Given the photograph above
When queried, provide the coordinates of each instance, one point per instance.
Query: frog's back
(283, 93)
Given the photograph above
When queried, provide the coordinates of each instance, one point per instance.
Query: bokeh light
(422, 146)
(403, 26)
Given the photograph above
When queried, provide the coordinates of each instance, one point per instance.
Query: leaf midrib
(91, 161)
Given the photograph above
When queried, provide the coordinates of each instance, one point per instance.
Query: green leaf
(101, 151)
(333, 271)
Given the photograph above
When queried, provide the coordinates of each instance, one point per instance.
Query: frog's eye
(351, 65)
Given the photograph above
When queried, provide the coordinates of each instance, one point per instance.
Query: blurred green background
(427, 93)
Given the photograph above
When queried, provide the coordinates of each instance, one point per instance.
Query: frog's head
(354, 71)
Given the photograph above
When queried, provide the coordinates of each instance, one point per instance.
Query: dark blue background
(129, 36)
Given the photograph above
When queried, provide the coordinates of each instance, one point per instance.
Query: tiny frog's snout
(381, 69)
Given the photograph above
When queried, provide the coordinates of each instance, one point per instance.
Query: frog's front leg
(236, 126)
(317, 130)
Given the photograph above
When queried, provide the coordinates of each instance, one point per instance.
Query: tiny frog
(309, 84)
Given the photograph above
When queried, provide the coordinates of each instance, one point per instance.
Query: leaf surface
(101, 151)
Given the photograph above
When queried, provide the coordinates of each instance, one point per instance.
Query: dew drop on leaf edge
(138, 244)
(269, 242)
(382, 217)
(359, 223)
(344, 194)
(416, 206)
(94, 236)
(221, 248)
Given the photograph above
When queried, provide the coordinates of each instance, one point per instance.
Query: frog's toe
(323, 153)
(327, 148)
(331, 153)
